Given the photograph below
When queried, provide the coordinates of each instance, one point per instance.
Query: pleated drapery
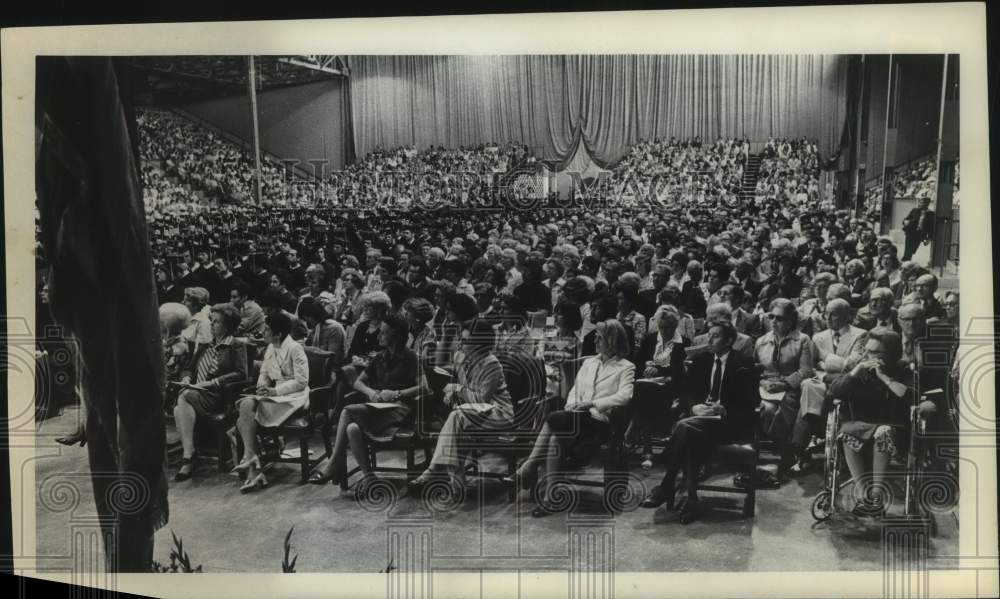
(606, 102)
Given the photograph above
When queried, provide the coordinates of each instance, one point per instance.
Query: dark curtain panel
(102, 293)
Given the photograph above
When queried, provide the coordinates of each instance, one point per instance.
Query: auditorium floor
(225, 531)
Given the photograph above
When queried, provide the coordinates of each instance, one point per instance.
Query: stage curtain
(606, 102)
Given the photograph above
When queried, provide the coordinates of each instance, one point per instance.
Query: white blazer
(606, 384)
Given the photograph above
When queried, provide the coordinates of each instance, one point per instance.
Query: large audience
(799, 299)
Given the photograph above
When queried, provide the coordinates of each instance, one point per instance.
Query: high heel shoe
(186, 469)
(77, 437)
(245, 465)
(255, 482)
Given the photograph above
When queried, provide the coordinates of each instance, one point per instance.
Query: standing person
(918, 227)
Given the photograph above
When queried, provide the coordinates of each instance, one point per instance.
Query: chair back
(320, 367)
(526, 383)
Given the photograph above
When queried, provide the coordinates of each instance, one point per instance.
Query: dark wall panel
(302, 122)
(919, 106)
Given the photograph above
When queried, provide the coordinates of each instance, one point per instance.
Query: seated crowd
(712, 318)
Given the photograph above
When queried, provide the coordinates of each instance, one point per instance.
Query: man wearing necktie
(835, 350)
(720, 392)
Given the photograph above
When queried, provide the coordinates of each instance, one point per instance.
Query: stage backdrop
(605, 102)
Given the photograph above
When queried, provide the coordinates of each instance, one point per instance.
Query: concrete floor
(225, 531)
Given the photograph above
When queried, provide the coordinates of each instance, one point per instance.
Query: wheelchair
(830, 501)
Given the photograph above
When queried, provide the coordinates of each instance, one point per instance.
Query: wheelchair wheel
(822, 506)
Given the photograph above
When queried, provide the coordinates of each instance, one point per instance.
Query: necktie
(776, 355)
(716, 381)
(836, 341)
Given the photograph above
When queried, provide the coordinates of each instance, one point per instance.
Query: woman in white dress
(282, 389)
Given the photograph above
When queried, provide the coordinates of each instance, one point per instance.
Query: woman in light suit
(282, 389)
(603, 384)
(480, 401)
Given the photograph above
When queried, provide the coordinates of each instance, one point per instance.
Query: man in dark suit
(720, 390)
(918, 227)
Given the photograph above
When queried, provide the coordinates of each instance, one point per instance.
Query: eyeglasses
(777, 317)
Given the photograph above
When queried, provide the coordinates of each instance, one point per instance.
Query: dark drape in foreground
(103, 294)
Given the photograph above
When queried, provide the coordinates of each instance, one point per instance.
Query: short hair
(607, 304)
(422, 310)
(351, 259)
(376, 300)
(463, 306)
(515, 304)
(667, 314)
(729, 332)
(421, 265)
(354, 276)
(197, 296)
(229, 316)
(787, 308)
(680, 258)
(615, 337)
(174, 318)
(629, 289)
(556, 265)
(881, 293)
(311, 308)
(388, 263)
(280, 274)
(241, 288)
(911, 308)
(398, 326)
(670, 294)
(482, 335)
(736, 292)
(695, 266)
(825, 277)
(279, 323)
(838, 290)
(570, 312)
(397, 291)
(927, 279)
(719, 311)
(838, 304)
(456, 266)
(576, 290)
(316, 268)
(891, 342)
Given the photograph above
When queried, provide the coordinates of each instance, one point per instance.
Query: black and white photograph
(575, 315)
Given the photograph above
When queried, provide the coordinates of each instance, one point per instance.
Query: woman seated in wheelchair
(386, 389)
(214, 365)
(604, 383)
(480, 402)
(282, 390)
(876, 394)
